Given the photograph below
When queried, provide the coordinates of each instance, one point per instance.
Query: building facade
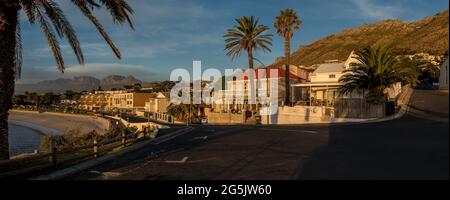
(157, 103)
(443, 79)
(129, 102)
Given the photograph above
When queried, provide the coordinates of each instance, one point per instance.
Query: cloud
(369, 9)
(98, 70)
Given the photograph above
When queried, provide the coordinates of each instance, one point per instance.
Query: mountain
(428, 35)
(78, 84)
(116, 81)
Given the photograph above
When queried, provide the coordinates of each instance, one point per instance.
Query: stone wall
(225, 118)
(298, 115)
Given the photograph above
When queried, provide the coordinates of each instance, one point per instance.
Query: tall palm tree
(247, 35)
(53, 24)
(375, 70)
(285, 24)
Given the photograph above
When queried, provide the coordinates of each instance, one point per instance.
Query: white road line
(201, 138)
(289, 130)
(178, 161)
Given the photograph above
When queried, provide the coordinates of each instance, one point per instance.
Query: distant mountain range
(79, 84)
(428, 35)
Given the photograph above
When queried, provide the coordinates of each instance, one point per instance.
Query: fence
(358, 109)
(54, 158)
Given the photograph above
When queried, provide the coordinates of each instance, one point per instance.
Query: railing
(55, 159)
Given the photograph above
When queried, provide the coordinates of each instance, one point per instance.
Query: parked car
(199, 120)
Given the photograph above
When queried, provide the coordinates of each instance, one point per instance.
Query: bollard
(95, 147)
(53, 151)
(123, 138)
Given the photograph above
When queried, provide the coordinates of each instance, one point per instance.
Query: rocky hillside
(429, 35)
(116, 81)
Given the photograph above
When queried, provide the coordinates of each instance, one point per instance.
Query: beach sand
(61, 122)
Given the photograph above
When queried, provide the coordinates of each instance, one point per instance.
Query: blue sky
(171, 34)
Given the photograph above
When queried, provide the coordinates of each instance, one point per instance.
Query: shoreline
(58, 123)
(42, 130)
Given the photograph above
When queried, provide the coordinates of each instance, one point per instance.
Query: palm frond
(247, 35)
(81, 4)
(63, 27)
(51, 39)
(375, 70)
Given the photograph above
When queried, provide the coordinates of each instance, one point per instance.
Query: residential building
(129, 102)
(323, 85)
(322, 88)
(97, 101)
(238, 90)
(157, 103)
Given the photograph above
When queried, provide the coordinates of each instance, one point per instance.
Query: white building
(323, 87)
(157, 103)
(443, 79)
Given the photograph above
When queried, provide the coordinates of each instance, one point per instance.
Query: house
(238, 90)
(443, 79)
(323, 85)
(157, 103)
(322, 88)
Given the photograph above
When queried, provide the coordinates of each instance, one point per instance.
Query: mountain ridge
(427, 35)
(79, 83)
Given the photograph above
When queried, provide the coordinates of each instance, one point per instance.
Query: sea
(22, 139)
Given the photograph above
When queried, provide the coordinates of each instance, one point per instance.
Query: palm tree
(182, 111)
(286, 23)
(374, 71)
(247, 35)
(53, 24)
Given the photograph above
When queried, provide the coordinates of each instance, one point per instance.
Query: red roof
(267, 73)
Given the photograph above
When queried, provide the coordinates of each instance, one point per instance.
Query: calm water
(23, 140)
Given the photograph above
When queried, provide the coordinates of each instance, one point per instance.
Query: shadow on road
(406, 148)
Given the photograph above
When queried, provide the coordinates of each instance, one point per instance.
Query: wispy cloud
(371, 9)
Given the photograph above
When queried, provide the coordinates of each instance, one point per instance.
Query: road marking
(201, 138)
(178, 161)
(172, 135)
(288, 130)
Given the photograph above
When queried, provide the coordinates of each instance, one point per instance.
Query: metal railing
(56, 158)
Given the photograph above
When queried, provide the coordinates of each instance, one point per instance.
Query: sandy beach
(59, 122)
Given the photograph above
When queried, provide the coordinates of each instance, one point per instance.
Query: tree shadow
(406, 148)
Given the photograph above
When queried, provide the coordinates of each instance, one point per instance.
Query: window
(332, 76)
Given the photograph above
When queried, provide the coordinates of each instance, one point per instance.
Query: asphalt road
(413, 147)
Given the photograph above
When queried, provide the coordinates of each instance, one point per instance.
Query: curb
(92, 163)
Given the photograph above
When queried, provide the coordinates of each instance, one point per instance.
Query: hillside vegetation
(428, 35)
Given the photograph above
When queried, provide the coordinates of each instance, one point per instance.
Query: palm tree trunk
(251, 82)
(8, 24)
(287, 52)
